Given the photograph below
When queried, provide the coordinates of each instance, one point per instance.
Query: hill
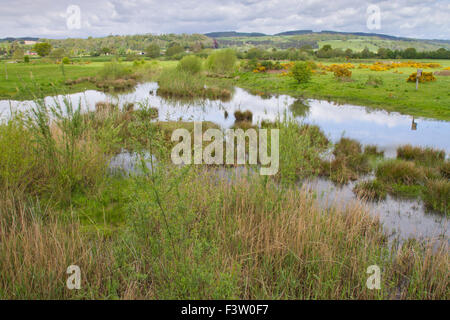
(356, 41)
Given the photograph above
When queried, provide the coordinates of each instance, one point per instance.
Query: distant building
(30, 42)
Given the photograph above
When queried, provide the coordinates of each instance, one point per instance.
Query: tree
(153, 51)
(301, 72)
(173, 50)
(43, 48)
(190, 64)
(18, 54)
(410, 53)
(57, 53)
(106, 50)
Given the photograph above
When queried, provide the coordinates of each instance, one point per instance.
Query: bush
(190, 64)
(342, 72)
(302, 72)
(114, 70)
(26, 59)
(425, 77)
(221, 61)
(66, 60)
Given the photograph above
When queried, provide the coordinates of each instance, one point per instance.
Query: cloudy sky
(58, 18)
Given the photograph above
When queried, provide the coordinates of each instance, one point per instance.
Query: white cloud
(46, 18)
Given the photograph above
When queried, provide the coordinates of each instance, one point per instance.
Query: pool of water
(403, 218)
(369, 126)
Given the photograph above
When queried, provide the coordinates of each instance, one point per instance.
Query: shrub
(400, 171)
(26, 59)
(436, 195)
(221, 61)
(342, 72)
(66, 60)
(425, 77)
(302, 72)
(114, 70)
(190, 64)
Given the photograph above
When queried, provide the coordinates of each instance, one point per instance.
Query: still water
(403, 218)
(387, 130)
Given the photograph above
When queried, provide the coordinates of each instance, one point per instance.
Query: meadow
(391, 92)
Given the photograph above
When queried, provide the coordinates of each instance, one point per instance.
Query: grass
(26, 80)
(370, 190)
(175, 83)
(349, 162)
(425, 156)
(400, 172)
(394, 94)
(436, 195)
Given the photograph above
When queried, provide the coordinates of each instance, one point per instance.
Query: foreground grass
(183, 232)
(432, 100)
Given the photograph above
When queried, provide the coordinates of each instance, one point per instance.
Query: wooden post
(418, 75)
(6, 71)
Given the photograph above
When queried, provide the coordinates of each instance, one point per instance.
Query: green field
(394, 94)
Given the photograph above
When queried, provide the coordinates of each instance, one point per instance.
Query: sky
(425, 19)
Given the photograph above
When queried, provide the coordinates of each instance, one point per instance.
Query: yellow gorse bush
(385, 66)
(425, 77)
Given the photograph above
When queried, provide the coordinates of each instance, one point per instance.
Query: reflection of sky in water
(387, 130)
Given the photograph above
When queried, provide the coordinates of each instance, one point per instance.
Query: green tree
(302, 72)
(43, 48)
(18, 54)
(173, 50)
(190, 64)
(153, 51)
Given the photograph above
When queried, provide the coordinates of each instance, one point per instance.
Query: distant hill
(356, 41)
(226, 34)
(293, 32)
(11, 39)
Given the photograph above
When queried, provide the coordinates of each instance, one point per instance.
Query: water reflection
(369, 126)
